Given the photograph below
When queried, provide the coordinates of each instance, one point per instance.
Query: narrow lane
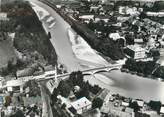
(47, 111)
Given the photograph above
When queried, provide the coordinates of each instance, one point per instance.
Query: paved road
(47, 111)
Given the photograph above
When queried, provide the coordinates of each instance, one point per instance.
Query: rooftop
(135, 47)
(13, 83)
(162, 110)
(82, 102)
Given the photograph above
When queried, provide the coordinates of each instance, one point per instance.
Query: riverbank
(125, 84)
(129, 85)
(83, 51)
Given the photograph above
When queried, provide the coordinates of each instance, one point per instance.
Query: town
(81, 58)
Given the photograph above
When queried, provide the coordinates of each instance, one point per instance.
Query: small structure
(103, 18)
(135, 51)
(80, 106)
(138, 41)
(3, 16)
(86, 17)
(1, 101)
(15, 85)
(114, 36)
(139, 102)
(104, 95)
(162, 110)
(125, 104)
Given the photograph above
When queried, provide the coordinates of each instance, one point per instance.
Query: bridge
(50, 75)
(91, 72)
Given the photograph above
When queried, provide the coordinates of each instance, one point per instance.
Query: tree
(97, 103)
(159, 72)
(155, 105)
(83, 93)
(8, 100)
(19, 113)
(64, 89)
(135, 106)
(54, 95)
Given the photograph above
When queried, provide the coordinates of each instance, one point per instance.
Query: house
(103, 18)
(86, 17)
(125, 104)
(15, 85)
(139, 102)
(3, 16)
(155, 14)
(121, 113)
(114, 36)
(162, 110)
(139, 114)
(1, 101)
(104, 95)
(80, 106)
(135, 51)
(94, 8)
(138, 41)
(122, 10)
(51, 85)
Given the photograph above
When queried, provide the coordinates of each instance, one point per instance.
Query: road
(125, 84)
(46, 110)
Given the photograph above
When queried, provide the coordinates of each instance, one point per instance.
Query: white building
(3, 16)
(138, 41)
(81, 105)
(126, 104)
(15, 85)
(155, 14)
(86, 18)
(136, 52)
(162, 110)
(114, 36)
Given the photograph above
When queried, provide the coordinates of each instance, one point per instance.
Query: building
(86, 18)
(101, 18)
(155, 14)
(121, 113)
(140, 103)
(51, 85)
(139, 114)
(162, 110)
(105, 95)
(125, 104)
(15, 86)
(135, 52)
(1, 101)
(3, 16)
(80, 106)
(139, 41)
(114, 36)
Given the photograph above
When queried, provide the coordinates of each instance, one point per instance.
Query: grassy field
(6, 53)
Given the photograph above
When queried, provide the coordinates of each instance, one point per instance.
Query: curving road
(125, 84)
(47, 111)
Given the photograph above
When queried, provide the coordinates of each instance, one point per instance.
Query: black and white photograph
(81, 58)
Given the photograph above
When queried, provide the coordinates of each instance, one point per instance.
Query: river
(117, 82)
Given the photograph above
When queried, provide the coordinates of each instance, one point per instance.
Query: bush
(64, 89)
(155, 105)
(97, 103)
